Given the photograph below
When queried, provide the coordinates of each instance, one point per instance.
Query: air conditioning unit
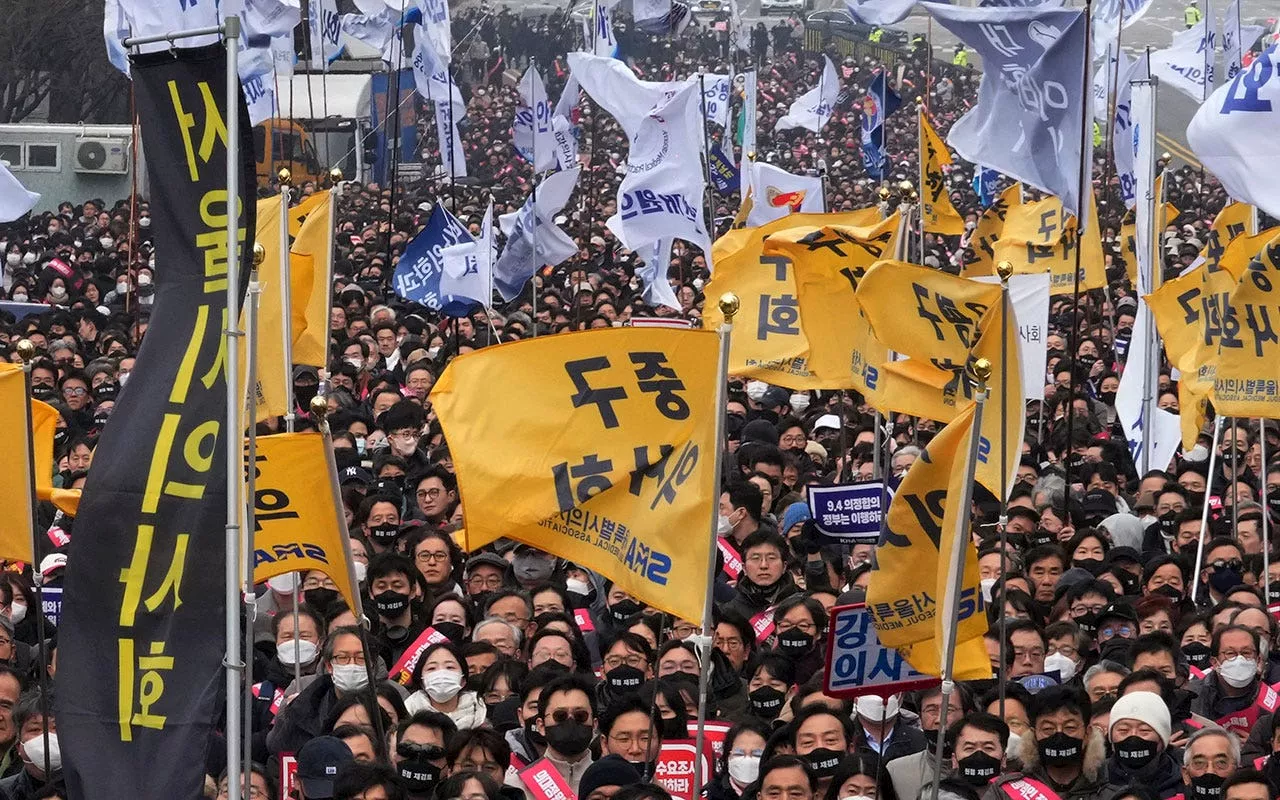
(101, 155)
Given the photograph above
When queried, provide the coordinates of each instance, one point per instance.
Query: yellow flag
(980, 257)
(1247, 383)
(769, 342)
(16, 520)
(269, 398)
(828, 261)
(1006, 375)
(298, 214)
(936, 209)
(44, 424)
(1041, 237)
(607, 459)
(908, 584)
(309, 267)
(298, 519)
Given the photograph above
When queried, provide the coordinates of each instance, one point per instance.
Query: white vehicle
(709, 6)
(781, 6)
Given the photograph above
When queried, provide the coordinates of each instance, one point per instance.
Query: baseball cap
(52, 562)
(830, 421)
(319, 762)
(490, 559)
(355, 474)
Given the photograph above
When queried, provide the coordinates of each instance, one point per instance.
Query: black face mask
(1207, 786)
(1088, 623)
(531, 732)
(1060, 750)
(1273, 504)
(624, 678)
(1039, 537)
(1169, 591)
(321, 599)
(1091, 565)
(569, 738)
(391, 603)
(480, 599)
(625, 609)
(1108, 398)
(304, 392)
(502, 715)
(455, 632)
(795, 642)
(1115, 650)
(419, 776)
(978, 769)
(824, 762)
(1224, 580)
(1197, 654)
(1168, 522)
(385, 535)
(675, 728)
(61, 435)
(1134, 752)
(766, 702)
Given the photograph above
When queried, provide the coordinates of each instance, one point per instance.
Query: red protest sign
(545, 782)
(713, 734)
(288, 776)
(674, 770)
(402, 671)
(732, 561)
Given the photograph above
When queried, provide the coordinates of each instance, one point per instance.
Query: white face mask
(144, 222)
(19, 298)
(362, 570)
(1015, 741)
(756, 390)
(57, 291)
(29, 258)
(1238, 672)
(1065, 666)
(283, 584)
(13, 259)
(34, 749)
(432, 352)
(799, 402)
(144, 279)
(577, 586)
(296, 651)
(360, 445)
(724, 526)
(442, 685)
(744, 769)
(17, 612)
(985, 586)
(350, 677)
(122, 287)
(358, 363)
(107, 242)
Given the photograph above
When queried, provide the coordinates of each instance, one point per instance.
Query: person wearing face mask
(910, 773)
(531, 566)
(343, 672)
(739, 765)
(1117, 630)
(395, 590)
(440, 676)
(741, 507)
(301, 649)
(1234, 695)
(765, 580)
(379, 514)
(977, 744)
(38, 752)
(627, 665)
(821, 737)
(800, 625)
(1062, 757)
(881, 727)
(418, 752)
(1223, 569)
(1139, 734)
(565, 719)
(1210, 757)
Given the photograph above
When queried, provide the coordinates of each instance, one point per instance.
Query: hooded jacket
(1091, 784)
(1162, 776)
(751, 598)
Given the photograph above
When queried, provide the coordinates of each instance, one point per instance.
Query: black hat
(319, 762)
(1099, 503)
(486, 558)
(1122, 611)
(360, 475)
(611, 770)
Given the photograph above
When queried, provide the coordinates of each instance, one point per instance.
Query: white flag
(324, 26)
(468, 267)
(1187, 64)
(1143, 144)
(739, 34)
(1236, 37)
(662, 192)
(564, 133)
(716, 96)
(532, 128)
(533, 238)
(1122, 140)
(617, 90)
(15, 200)
(1160, 435)
(375, 30)
(115, 29)
(653, 273)
(433, 83)
(152, 18)
(1104, 82)
(435, 24)
(600, 38)
(814, 107)
(775, 193)
(1029, 295)
(748, 114)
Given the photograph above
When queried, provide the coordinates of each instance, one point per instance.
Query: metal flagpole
(533, 279)
(956, 559)
(1235, 498)
(1266, 513)
(286, 304)
(729, 305)
(27, 351)
(1204, 513)
(249, 609)
(453, 133)
(234, 429)
(1004, 270)
(920, 149)
(1155, 205)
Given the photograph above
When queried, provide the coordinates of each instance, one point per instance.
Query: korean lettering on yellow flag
(310, 259)
(298, 522)
(979, 258)
(908, 583)
(606, 459)
(827, 262)
(936, 210)
(1041, 237)
(769, 343)
(269, 397)
(1247, 383)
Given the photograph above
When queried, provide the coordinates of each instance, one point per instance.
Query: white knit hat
(1144, 707)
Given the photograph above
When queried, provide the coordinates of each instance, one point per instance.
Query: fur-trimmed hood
(1095, 756)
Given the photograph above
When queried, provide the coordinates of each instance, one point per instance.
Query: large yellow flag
(936, 210)
(17, 517)
(1247, 383)
(769, 342)
(607, 458)
(269, 398)
(298, 519)
(310, 260)
(44, 425)
(827, 263)
(908, 584)
(1041, 237)
(980, 257)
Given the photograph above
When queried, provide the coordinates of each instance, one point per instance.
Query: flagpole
(1266, 513)
(1004, 270)
(234, 429)
(1204, 512)
(248, 608)
(729, 305)
(1149, 370)
(533, 279)
(286, 300)
(959, 543)
(27, 352)
(453, 135)
(920, 148)
(709, 194)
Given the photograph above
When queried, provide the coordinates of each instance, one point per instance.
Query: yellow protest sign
(1246, 383)
(298, 519)
(828, 261)
(936, 211)
(1041, 237)
(908, 582)
(310, 266)
(980, 258)
(607, 458)
(769, 343)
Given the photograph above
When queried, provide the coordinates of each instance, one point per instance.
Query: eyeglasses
(1221, 564)
(1065, 650)
(1220, 762)
(627, 739)
(1111, 631)
(432, 493)
(254, 792)
(1046, 729)
(347, 659)
(728, 643)
(73, 391)
(483, 581)
(427, 752)
(562, 715)
(1248, 653)
(429, 557)
(1080, 609)
(800, 439)
(322, 582)
(764, 558)
(1032, 653)
(632, 660)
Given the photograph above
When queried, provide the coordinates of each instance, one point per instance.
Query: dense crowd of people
(1121, 673)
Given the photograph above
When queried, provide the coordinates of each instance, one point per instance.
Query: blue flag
(984, 185)
(1028, 120)
(724, 174)
(880, 102)
(417, 276)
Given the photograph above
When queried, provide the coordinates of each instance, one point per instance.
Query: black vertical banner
(141, 637)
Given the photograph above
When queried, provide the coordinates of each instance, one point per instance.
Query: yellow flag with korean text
(310, 265)
(1040, 237)
(936, 210)
(769, 343)
(1246, 382)
(827, 262)
(17, 517)
(979, 258)
(298, 519)
(907, 590)
(606, 459)
(269, 397)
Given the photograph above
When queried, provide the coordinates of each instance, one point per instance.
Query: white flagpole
(1204, 513)
(252, 331)
(286, 303)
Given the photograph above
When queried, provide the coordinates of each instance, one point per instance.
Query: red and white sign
(762, 624)
(288, 776)
(674, 770)
(545, 782)
(583, 617)
(713, 734)
(402, 670)
(732, 561)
